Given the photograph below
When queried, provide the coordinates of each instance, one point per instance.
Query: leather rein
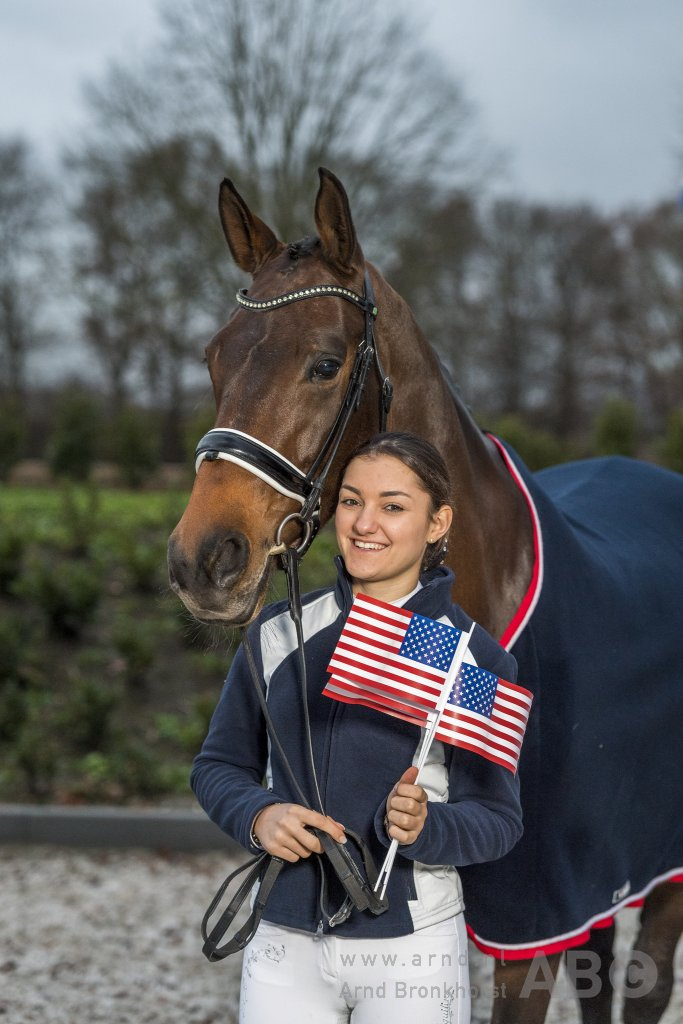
(305, 488)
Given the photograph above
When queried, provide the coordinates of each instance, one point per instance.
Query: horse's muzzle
(205, 581)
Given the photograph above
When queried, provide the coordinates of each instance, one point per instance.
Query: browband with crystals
(260, 305)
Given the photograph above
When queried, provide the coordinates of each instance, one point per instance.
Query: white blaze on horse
(577, 569)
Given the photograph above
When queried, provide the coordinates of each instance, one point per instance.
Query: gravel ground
(97, 936)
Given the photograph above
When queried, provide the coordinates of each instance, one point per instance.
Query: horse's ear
(251, 241)
(335, 224)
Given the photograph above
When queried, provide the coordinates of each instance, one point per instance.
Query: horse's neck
(491, 542)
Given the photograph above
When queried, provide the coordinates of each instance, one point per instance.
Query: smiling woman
(353, 769)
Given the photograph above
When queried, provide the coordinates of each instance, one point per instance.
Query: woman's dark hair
(428, 466)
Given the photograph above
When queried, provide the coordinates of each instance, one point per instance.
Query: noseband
(268, 464)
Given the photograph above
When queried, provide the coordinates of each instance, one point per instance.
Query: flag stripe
(490, 755)
(346, 657)
(359, 628)
(486, 743)
(378, 692)
(377, 688)
(380, 608)
(457, 723)
(417, 716)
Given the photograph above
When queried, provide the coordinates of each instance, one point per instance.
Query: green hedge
(97, 657)
(106, 683)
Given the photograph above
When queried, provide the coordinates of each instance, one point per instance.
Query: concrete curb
(157, 829)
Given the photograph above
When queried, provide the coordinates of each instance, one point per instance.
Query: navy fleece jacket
(474, 813)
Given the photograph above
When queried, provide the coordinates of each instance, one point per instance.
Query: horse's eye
(325, 369)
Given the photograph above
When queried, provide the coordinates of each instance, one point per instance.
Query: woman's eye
(326, 369)
(393, 508)
(348, 502)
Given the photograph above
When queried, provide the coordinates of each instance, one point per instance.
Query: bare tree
(654, 256)
(510, 348)
(287, 85)
(24, 232)
(148, 268)
(435, 266)
(578, 268)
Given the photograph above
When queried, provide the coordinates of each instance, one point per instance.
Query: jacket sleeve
(482, 817)
(227, 774)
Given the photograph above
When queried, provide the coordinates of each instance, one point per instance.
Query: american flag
(396, 661)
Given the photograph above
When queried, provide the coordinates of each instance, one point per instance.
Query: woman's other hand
(406, 809)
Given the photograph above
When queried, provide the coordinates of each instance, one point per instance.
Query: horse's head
(280, 374)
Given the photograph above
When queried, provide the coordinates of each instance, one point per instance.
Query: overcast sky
(584, 96)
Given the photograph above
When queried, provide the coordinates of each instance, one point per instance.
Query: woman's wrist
(253, 838)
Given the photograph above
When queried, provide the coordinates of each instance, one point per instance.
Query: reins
(306, 488)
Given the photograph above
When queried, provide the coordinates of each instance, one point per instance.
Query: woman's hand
(406, 809)
(283, 830)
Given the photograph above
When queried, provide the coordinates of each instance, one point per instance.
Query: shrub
(72, 447)
(144, 559)
(12, 548)
(135, 446)
(142, 772)
(13, 709)
(67, 592)
(15, 634)
(136, 644)
(670, 451)
(12, 434)
(537, 448)
(79, 517)
(96, 778)
(616, 429)
(86, 718)
(190, 730)
(37, 750)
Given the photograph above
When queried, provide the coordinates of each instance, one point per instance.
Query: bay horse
(577, 569)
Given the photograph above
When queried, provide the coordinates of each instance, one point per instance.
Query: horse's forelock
(304, 247)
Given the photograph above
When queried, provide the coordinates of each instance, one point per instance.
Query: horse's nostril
(176, 566)
(229, 559)
(173, 580)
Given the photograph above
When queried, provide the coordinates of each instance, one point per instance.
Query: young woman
(410, 963)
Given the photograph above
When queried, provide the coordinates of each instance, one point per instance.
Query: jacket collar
(437, 585)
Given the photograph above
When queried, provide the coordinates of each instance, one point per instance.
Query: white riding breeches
(292, 977)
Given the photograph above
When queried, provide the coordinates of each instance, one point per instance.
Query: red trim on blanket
(530, 599)
(561, 943)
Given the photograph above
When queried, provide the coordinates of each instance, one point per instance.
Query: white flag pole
(428, 739)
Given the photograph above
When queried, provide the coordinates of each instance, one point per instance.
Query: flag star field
(430, 642)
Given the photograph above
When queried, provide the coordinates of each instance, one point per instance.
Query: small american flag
(396, 661)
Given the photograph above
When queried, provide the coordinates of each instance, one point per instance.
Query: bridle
(268, 464)
(274, 469)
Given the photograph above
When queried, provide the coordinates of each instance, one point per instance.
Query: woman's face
(384, 522)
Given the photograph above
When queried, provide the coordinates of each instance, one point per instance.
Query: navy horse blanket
(599, 642)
